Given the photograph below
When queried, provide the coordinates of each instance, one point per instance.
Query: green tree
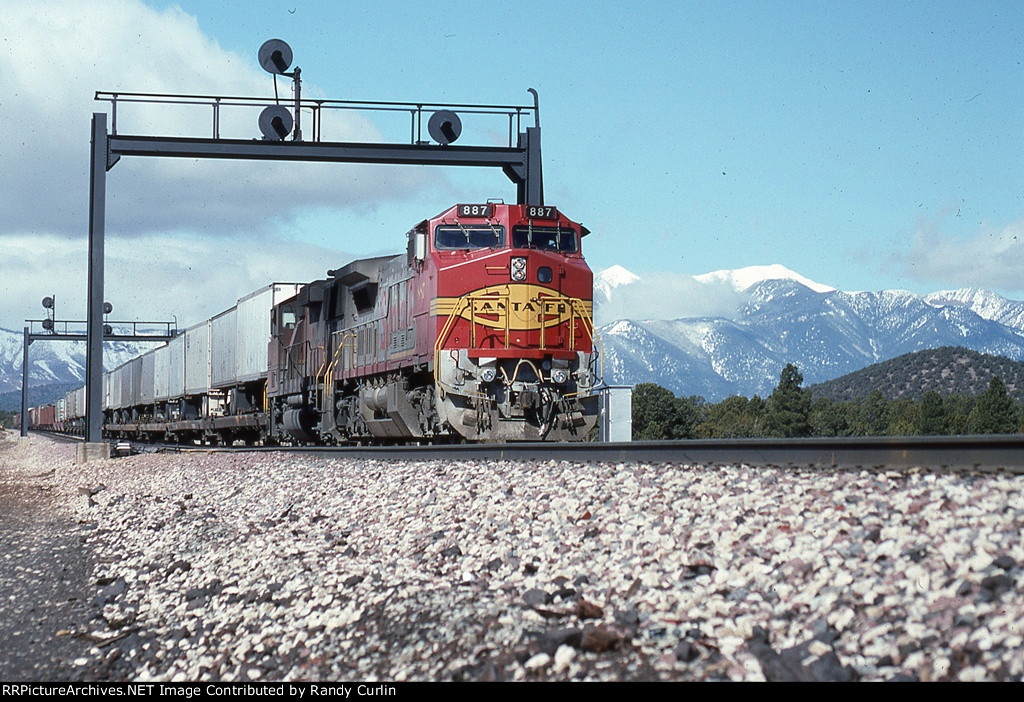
(932, 417)
(757, 408)
(904, 418)
(692, 412)
(830, 418)
(658, 414)
(728, 419)
(789, 407)
(871, 415)
(994, 412)
(958, 410)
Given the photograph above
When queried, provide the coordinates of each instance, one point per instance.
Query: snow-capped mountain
(55, 361)
(745, 278)
(607, 280)
(984, 303)
(782, 317)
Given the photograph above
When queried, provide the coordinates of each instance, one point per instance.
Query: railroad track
(983, 452)
(60, 437)
(992, 452)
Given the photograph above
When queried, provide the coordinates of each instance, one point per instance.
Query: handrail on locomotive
(502, 310)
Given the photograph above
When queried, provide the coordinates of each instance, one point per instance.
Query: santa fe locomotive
(482, 329)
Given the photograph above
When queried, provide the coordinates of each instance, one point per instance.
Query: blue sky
(865, 145)
(715, 135)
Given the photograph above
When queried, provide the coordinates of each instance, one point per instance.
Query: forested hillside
(948, 371)
(792, 411)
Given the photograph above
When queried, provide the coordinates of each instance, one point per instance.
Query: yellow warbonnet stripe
(527, 306)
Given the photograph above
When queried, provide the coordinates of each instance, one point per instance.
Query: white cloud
(153, 277)
(184, 237)
(55, 54)
(993, 258)
(669, 296)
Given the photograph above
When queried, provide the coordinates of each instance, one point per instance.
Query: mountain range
(52, 362)
(715, 335)
(775, 316)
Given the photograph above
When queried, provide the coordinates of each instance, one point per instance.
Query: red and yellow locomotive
(483, 329)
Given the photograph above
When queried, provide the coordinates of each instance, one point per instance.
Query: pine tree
(904, 417)
(994, 412)
(932, 419)
(830, 418)
(728, 419)
(691, 412)
(658, 414)
(789, 407)
(872, 415)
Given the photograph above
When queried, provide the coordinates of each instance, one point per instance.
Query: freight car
(208, 384)
(482, 330)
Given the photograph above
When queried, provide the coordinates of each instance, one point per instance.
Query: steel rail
(991, 452)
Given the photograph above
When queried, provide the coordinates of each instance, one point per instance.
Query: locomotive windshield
(287, 320)
(476, 236)
(545, 238)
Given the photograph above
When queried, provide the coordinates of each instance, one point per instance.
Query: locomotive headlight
(487, 375)
(518, 268)
(559, 375)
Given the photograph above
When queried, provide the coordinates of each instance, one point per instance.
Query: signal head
(48, 303)
(444, 127)
(276, 122)
(275, 56)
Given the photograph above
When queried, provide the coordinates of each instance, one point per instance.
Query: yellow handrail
(588, 326)
(577, 308)
(327, 374)
(443, 337)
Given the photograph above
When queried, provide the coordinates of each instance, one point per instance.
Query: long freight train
(482, 330)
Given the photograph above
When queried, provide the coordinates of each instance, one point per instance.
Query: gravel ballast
(242, 567)
(46, 576)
